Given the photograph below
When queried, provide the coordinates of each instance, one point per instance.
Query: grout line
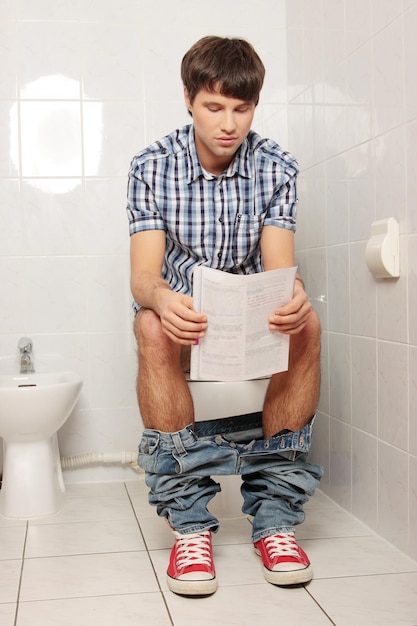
(21, 576)
(150, 559)
(364, 575)
(319, 605)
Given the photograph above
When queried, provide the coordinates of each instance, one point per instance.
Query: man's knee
(147, 327)
(154, 346)
(313, 328)
(308, 341)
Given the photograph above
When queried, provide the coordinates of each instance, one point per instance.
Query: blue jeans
(277, 479)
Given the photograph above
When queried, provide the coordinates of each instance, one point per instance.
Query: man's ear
(187, 100)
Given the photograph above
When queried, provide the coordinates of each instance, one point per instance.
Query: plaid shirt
(210, 220)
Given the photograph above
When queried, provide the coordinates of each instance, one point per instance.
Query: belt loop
(179, 446)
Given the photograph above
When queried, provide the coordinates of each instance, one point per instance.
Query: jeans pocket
(147, 457)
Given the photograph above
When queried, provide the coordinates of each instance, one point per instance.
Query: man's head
(221, 63)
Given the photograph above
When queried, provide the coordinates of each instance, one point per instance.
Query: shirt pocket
(246, 236)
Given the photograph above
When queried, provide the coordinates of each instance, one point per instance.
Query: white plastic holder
(382, 252)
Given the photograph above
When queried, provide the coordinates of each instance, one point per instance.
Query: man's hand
(291, 318)
(179, 321)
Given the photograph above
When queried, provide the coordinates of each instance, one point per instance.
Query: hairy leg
(292, 396)
(164, 398)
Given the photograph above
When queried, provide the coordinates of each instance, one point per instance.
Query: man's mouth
(226, 141)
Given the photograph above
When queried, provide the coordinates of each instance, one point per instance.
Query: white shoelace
(282, 545)
(193, 549)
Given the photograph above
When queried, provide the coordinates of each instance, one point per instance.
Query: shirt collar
(239, 165)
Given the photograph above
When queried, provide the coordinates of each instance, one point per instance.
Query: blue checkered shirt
(210, 220)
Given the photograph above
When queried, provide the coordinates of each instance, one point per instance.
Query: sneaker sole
(295, 577)
(283, 579)
(192, 587)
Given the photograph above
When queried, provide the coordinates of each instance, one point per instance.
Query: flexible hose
(98, 458)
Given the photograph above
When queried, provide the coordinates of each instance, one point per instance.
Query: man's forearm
(146, 289)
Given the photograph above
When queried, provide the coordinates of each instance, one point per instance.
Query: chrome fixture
(25, 346)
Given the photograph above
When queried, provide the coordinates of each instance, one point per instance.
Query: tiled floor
(102, 560)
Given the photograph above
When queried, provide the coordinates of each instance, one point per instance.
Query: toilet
(214, 400)
(33, 406)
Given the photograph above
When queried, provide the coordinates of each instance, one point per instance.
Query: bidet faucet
(25, 346)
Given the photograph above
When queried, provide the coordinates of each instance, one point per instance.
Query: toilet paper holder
(382, 249)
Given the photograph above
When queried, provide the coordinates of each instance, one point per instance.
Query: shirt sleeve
(282, 210)
(142, 211)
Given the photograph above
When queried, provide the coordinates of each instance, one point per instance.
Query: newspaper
(238, 344)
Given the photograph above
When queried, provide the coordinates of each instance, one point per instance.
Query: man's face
(221, 123)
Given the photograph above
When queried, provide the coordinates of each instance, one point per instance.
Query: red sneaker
(285, 563)
(191, 569)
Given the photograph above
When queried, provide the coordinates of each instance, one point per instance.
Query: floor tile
(248, 605)
(233, 530)
(79, 509)
(320, 501)
(12, 541)
(141, 506)
(389, 599)
(160, 560)
(119, 610)
(9, 577)
(83, 576)
(83, 538)
(7, 614)
(157, 533)
(355, 556)
(331, 522)
(7, 522)
(137, 486)
(238, 565)
(95, 490)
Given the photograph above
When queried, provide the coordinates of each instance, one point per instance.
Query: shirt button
(219, 255)
(221, 220)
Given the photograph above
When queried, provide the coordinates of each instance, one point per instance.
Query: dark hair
(231, 63)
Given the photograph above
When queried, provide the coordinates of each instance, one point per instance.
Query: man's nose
(228, 122)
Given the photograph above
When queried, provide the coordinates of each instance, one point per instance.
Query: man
(216, 193)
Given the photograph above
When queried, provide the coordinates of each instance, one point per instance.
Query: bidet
(33, 406)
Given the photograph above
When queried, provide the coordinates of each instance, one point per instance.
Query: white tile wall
(357, 168)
